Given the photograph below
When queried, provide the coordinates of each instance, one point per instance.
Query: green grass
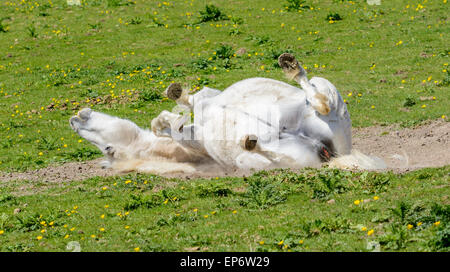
(390, 63)
(118, 57)
(310, 210)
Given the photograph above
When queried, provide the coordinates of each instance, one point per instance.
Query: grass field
(389, 61)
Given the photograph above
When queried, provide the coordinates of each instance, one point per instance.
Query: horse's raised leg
(181, 96)
(295, 71)
(164, 124)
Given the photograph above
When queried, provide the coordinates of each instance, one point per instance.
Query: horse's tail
(358, 160)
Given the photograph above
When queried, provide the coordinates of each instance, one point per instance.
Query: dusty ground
(403, 149)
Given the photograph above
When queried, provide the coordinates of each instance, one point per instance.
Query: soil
(403, 150)
(406, 149)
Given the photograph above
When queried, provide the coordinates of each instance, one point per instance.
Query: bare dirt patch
(403, 149)
(65, 172)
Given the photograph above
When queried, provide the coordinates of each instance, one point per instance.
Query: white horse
(257, 123)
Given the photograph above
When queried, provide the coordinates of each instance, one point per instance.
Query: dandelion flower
(356, 202)
(370, 232)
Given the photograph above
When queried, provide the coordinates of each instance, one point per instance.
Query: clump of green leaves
(32, 221)
(213, 189)
(326, 183)
(409, 102)
(149, 95)
(95, 26)
(441, 239)
(211, 13)
(224, 52)
(259, 40)
(156, 22)
(333, 17)
(234, 32)
(397, 235)
(296, 5)
(446, 81)
(4, 220)
(5, 198)
(317, 226)
(118, 3)
(18, 247)
(201, 64)
(32, 32)
(373, 182)
(43, 9)
(222, 57)
(135, 21)
(82, 154)
(264, 191)
(139, 200)
(3, 26)
(48, 143)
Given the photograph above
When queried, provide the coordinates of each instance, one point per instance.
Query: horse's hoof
(249, 142)
(174, 91)
(75, 122)
(288, 62)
